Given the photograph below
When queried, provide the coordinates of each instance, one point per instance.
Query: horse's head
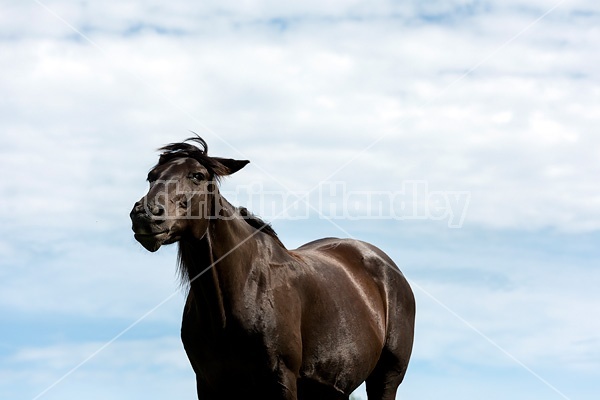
(182, 196)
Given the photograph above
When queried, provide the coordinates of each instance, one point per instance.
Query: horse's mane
(259, 224)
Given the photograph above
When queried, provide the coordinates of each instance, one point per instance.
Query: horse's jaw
(152, 242)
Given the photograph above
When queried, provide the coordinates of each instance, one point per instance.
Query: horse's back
(355, 253)
(357, 256)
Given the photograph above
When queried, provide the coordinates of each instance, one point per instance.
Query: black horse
(262, 321)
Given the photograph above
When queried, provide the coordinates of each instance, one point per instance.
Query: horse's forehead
(179, 164)
(181, 161)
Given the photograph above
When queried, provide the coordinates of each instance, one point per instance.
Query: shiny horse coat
(261, 320)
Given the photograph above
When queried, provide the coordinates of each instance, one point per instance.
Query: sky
(457, 136)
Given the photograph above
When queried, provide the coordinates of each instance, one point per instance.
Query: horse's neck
(218, 264)
(196, 265)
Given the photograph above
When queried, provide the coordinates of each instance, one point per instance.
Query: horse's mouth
(152, 240)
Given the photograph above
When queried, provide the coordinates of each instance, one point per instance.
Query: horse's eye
(198, 176)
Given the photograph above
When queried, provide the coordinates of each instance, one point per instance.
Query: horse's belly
(341, 356)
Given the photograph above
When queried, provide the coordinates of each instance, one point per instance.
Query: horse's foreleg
(203, 393)
(288, 385)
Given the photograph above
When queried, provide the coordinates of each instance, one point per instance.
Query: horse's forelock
(183, 149)
(174, 151)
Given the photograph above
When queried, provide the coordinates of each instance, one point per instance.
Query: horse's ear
(228, 165)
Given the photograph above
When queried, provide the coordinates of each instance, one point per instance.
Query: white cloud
(71, 278)
(125, 369)
(141, 91)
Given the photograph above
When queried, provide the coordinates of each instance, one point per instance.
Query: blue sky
(498, 100)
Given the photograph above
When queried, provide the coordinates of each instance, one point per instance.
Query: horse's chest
(241, 338)
(233, 353)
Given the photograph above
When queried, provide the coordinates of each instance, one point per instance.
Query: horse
(263, 321)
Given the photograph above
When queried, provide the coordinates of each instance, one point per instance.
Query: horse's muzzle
(146, 223)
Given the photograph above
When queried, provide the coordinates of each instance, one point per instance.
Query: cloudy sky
(456, 135)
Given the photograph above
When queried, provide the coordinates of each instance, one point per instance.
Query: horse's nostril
(144, 210)
(157, 210)
(138, 208)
